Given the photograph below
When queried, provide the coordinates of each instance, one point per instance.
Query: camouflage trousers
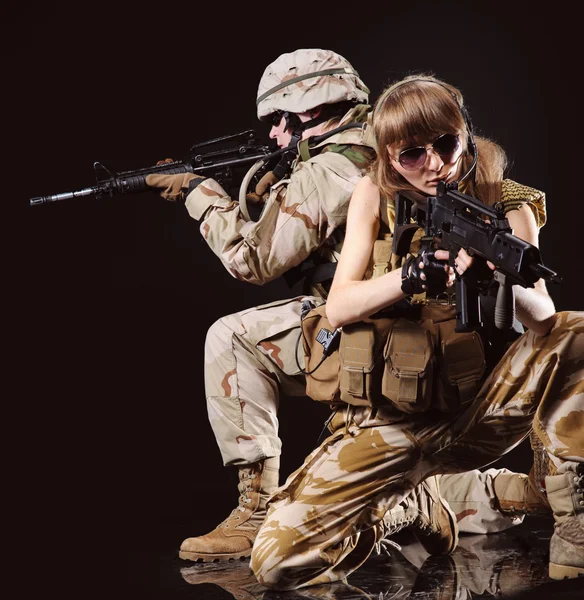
(472, 498)
(250, 360)
(323, 522)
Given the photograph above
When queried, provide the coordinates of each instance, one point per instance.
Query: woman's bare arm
(351, 299)
(535, 308)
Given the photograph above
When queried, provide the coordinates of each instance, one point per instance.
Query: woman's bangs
(423, 116)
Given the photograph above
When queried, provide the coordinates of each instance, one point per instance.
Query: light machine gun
(452, 220)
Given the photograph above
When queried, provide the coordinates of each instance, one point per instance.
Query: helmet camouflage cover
(300, 80)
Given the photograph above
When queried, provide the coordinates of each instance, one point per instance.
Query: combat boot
(436, 527)
(566, 496)
(518, 494)
(425, 512)
(234, 537)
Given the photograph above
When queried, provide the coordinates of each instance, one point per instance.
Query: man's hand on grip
(175, 187)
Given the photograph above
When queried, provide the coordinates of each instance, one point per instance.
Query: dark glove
(436, 276)
(175, 187)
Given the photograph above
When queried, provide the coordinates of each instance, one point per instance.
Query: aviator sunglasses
(414, 158)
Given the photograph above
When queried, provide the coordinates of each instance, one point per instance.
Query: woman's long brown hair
(417, 109)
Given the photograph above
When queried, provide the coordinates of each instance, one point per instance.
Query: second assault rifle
(226, 159)
(451, 221)
(219, 158)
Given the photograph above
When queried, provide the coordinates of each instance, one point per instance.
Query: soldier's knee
(568, 327)
(570, 320)
(271, 569)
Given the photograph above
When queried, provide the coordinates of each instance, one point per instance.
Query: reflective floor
(511, 564)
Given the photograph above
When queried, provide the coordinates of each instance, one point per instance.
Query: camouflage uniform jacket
(304, 212)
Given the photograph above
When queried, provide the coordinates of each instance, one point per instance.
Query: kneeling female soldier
(324, 522)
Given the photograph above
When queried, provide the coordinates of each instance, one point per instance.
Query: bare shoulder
(521, 214)
(367, 187)
(523, 223)
(366, 197)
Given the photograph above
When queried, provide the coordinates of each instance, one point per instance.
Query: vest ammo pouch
(357, 357)
(360, 357)
(408, 354)
(323, 383)
(428, 365)
(352, 373)
(409, 367)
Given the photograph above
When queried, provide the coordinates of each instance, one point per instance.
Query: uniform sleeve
(514, 195)
(299, 215)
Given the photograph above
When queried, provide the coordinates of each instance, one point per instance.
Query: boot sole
(453, 526)
(208, 558)
(565, 572)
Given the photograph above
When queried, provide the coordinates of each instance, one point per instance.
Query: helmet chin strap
(290, 152)
(297, 127)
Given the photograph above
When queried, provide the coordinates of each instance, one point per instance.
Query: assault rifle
(219, 158)
(452, 220)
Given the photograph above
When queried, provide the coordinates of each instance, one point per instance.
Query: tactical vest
(409, 354)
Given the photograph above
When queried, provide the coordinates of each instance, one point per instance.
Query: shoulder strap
(360, 155)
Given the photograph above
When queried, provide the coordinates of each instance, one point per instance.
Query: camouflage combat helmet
(300, 80)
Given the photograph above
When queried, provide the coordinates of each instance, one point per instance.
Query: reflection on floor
(511, 564)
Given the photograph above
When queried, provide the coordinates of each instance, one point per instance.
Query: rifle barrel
(36, 201)
(546, 273)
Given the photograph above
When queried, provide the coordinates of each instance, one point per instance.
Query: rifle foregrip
(505, 305)
(132, 184)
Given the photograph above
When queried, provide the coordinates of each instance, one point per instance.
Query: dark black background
(113, 296)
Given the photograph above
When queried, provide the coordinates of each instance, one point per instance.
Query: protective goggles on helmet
(292, 120)
(415, 158)
(275, 118)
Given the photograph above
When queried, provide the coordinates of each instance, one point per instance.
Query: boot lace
(243, 500)
(382, 546)
(423, 523)
(541, 463)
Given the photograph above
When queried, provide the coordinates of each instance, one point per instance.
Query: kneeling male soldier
(251, 355)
